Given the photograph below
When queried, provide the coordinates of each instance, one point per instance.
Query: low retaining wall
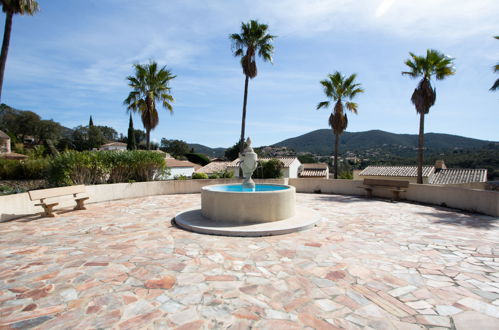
(473, 200)
(19, 205)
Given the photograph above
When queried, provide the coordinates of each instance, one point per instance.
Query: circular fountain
(247, 209)
(234, 203)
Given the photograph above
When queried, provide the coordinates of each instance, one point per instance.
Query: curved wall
(473, 200)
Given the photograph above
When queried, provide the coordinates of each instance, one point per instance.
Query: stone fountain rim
(206, 188)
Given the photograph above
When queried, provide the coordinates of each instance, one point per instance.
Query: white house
(4, 143)
(180, 167)
(114, 146)
(314, 171)
(290, 169)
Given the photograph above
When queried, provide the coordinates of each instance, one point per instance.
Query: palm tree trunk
(243, 121)
(5, 47)
(420, 147)
(148, 132)
(336, 147)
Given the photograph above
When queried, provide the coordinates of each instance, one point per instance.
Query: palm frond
(323, 104)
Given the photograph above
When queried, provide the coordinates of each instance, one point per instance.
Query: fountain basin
(238, 205)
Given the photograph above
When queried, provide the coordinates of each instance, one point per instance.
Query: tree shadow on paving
(349, 199)
(459, 218)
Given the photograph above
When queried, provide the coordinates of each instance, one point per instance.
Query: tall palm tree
(11, 8)
(496, 70)
(252, 41)
(339, 88)
(424, 96)
(149, 84)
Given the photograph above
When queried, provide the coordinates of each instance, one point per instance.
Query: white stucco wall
(293, 169)
(176, 171)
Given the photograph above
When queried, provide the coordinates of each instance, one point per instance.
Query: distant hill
(211, 152)
(321, 142)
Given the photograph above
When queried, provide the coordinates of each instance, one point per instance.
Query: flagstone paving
(370, 264)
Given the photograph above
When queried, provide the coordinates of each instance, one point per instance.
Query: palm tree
(496, 70)
(10, 8)
(424, 96)
(339, 88)
(149, 84)
(252, 41)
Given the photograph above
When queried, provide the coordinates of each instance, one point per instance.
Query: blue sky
(70, 61)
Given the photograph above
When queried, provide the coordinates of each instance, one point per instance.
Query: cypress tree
(131, 145)
(90, 122)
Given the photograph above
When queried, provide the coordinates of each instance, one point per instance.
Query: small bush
(199, 175)
(180, 177)
(214, 176)
(271, 169)
(226, 174)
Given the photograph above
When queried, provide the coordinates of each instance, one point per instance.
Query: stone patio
(370, 264)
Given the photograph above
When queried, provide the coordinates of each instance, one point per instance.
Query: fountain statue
(248, 164)
(247, 209)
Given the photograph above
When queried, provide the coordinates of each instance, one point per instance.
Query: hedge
(96, 167)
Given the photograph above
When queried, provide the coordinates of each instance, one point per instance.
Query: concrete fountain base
(193, 220)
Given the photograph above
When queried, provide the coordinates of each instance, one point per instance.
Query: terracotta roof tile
(172, 162)
(459, 175)
(313, 173)
(214, 167)
(408, 171)
(118, 144)
(315, 166)
(4, 135)
(13, 155)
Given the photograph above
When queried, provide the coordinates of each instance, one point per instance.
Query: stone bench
(395, 186)
(48, 207)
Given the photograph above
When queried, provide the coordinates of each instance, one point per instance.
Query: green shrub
(197, 159)
(199, 175)
(226, 174)
(95, 167)
(271, 169)
(214, 176)
(29, 169)
(180, 177)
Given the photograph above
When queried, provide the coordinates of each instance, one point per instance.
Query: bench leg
(49, 211)
(369, 192)
(80, 204)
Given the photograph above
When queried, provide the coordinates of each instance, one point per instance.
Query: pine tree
(131, 145)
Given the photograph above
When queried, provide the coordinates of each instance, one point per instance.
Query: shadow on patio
(462, 219)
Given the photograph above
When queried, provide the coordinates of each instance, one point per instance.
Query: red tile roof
(214, 167)
(459, 175)
(408, 171)
(13, 155)
(172, 162)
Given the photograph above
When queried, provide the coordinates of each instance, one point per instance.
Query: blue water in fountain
(239, 188)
